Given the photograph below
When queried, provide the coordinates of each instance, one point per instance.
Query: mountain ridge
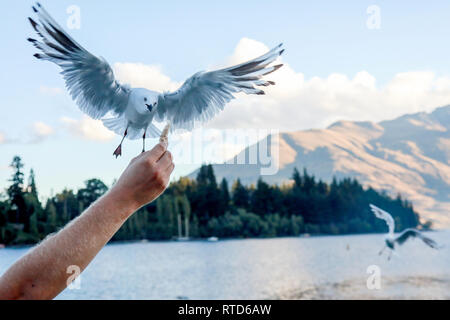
(408, 155)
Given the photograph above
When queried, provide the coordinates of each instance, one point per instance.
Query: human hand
(145, 178)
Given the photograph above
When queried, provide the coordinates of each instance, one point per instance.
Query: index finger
(157, 152)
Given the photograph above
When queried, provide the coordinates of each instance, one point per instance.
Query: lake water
(285, 268)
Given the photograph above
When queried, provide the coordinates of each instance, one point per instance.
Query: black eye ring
(145, 99)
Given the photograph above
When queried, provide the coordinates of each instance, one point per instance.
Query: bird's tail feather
(119, 125)
(153, 131)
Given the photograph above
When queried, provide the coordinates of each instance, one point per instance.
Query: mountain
(409, 155)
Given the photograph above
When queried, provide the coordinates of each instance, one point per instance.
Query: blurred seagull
(91, 83)
(391, 240)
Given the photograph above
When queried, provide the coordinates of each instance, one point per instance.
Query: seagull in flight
(130, 112)
(391, 241)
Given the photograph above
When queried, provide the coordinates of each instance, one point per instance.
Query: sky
(347, 60)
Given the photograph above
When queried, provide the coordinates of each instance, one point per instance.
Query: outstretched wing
(90, 80)
(381, 214)
(203, 95)
(413, 233)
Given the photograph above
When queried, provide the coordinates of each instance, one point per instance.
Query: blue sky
(327, 45)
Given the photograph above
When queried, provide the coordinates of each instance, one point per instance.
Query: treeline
(203, 208)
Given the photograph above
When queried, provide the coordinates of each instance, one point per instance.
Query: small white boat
(305, 235)
(213, 239)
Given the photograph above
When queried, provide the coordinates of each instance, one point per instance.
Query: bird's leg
(143, 142)
(382, 250)
(390, 255)
(118, 151)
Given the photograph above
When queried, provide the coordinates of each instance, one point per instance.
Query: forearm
(42, 273)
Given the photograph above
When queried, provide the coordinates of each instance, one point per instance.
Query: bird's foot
(118, 151)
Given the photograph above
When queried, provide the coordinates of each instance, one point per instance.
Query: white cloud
(39, 132)
(88, 129)
(247, 49)
(50, 91)
(139, 75)
(36, 133)
(42, 130)
(298, 103)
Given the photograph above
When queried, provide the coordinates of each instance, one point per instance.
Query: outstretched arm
(42, 273)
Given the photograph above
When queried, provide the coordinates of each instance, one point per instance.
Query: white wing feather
(203, 95)
(381, 214)
(90, 80)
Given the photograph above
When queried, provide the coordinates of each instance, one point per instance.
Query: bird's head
(144, 100)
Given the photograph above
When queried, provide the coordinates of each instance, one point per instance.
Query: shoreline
(175, 240)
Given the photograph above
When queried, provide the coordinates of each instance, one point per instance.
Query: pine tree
(165, 226)
(34, 231)
(145, 216)
(224, 197)
(34, 210)
(32, 184)
(94, 189)
(4, 208)
(297, 179)
(52, 222)
(207, 198)
(261, 199)
(186, 209)
(240, 195)
(16, 192)
(67, 206)
(16, 187)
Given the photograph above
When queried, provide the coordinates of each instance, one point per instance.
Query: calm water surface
(287, 268)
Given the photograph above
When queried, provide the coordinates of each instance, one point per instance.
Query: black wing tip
(260, 93)
(278, 66)
(37, 56)
(281, 52)
(37, 5)
(31, 40)
(272, 83)
(33, 23)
